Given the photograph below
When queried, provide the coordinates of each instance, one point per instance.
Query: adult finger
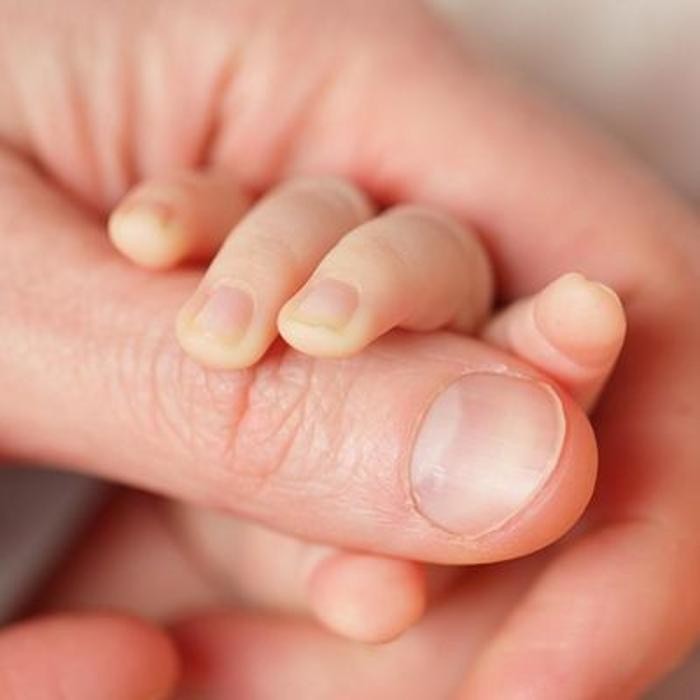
(86, 657)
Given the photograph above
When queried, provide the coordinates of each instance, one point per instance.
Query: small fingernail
(485, 448)
(225, 314)
(327, 302)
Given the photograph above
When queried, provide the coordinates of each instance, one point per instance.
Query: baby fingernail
(225, 314)
(486, 447)
(327, 302)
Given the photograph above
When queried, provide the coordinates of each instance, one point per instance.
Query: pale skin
(92, 378)
(409, 267)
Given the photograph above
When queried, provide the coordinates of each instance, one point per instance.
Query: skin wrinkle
(252, 406)
(227, 76)
(291, 144)
(392, 485)
(153, 360)
(283, 414)
(124, 170)
(209, 409)
(80, 128)
(160, 365)
(197, 419)
(295, 472)
(205, 418)
(269, 151)
(103, 116)
(224, 75)
(335, 447)
(292, 470)
(220, 389)
(337, 414)
(200, 418)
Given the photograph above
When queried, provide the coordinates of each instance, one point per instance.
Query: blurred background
(631, 65)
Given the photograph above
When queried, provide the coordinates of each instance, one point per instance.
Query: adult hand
(91, 376)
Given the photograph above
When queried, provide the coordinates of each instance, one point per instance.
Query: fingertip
(367, 598)
(583, 319)
(148, 234)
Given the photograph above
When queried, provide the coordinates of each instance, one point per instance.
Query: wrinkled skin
(99, 95)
